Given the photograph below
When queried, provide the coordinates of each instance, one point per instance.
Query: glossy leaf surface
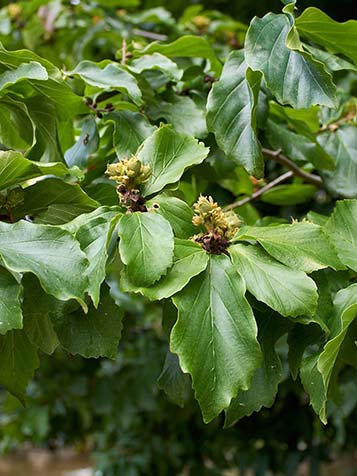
(215, 336)
(146, 246)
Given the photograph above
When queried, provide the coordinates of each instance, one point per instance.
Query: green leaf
(292, 75)
(300, 337)
(18, 363)
(342, 229)
(176, 212)
(57, 92)
(16, 128)
(332, 62)
(111, 76)
(328, 283)
(54, 201)
(13, 59)
(188, 46)
(300, 245)
(314, 385)
(297, 147)
(317, 370)
(183, 113)
(173, 381)
(146, 246)
(43, 115)
(86, 145)
(130, 131)
(94, 231)
(58, 169)
(50, 253)
(189, 261)
(317, 218)
(342, 146)
(67, 103)
(38, 308)
(304, 121)
(91, 335)
(345, 311)
(215, 336)
(266, 379)
(323, 30)
(158, 62)
(169, 153)
(231, 109)
(10, 304)
(103, 192)
(14, 168)
(287, 291)
(292, 194)
(32, 70)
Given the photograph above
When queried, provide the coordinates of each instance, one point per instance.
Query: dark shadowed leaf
(95, 334)
(18, 362)
(10, 303)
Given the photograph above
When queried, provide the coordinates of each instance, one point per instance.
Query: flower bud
(145, 173)
(134, 165)
(14, 10)
(129, 172)
(216, 221)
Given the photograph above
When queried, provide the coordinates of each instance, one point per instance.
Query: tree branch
(260, 192)
(289, 164)
(123, 51)
(150, 35)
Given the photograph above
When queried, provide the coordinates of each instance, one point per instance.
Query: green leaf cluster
(203, 115)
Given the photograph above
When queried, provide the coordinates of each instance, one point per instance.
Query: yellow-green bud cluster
(201, 21)
(214, 219)
(14, 10)
(130, 173)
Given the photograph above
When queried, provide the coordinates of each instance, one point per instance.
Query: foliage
(103, 159)
(116, 408)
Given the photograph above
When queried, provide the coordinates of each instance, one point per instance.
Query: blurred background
(243, 10)
(110, 418)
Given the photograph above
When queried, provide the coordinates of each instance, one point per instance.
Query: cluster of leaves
(192, 128)
(115, 408)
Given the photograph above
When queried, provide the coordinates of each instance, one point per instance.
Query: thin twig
(289, 164)
(123, 51)
(149, 34)
(260, 192)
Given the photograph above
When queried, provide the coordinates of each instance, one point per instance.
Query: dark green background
(340, 10)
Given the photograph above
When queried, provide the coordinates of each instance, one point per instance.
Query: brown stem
(289, 164)
(260, 192)
(123, 51)
(149, 34)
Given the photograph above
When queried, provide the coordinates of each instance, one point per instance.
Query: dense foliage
(196, 170)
